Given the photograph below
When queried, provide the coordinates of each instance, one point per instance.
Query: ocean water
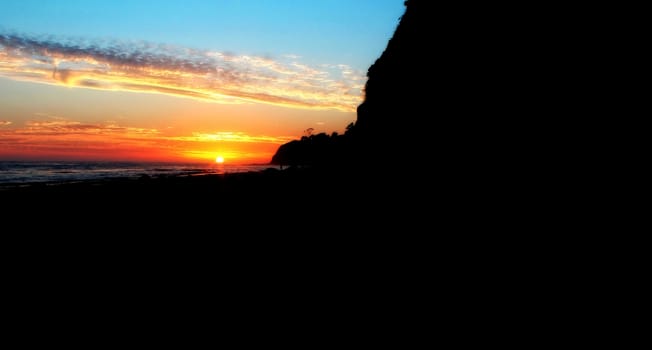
(28, 172)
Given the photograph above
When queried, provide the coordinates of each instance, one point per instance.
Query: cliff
(385, 120)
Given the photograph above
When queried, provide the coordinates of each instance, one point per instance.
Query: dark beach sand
(231, 185)
(302, 219)
(305, 219)
(272, 197)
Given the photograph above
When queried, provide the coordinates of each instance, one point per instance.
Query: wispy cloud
(68, 128)
(207, 75)
(230, 136)
(4, 122)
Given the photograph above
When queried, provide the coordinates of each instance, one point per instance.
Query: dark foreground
(146, 189)
(306, 222)
(274, 198)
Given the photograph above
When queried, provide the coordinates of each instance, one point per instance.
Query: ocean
(12, 172)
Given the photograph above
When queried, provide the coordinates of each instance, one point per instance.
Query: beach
(268, 197)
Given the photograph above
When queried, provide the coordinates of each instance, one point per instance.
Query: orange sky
(41, 121)
(113, 101)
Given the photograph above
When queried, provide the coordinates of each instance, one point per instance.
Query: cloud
(4, 123)
(230, 136)
(56, 126)
(64, 128)
(206, 75)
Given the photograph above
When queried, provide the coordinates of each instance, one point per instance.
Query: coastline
(281, 201)
(139, 183)
(247, 187)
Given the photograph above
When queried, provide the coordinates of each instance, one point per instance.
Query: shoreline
(267, 202)
(270, 180)
(18, 173)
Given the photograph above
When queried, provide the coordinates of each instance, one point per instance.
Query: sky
(191, 80)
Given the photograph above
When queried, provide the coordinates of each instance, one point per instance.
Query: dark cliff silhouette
(389, 116)
(386, 126)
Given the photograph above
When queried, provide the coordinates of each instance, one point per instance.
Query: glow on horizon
(70, 139)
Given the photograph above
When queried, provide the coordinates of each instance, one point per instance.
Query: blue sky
(352, 32)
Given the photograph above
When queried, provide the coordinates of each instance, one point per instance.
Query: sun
(219, 159)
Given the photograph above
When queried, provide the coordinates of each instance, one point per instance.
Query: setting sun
(219, 159)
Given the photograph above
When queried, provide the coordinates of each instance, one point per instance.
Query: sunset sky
(190, 80)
